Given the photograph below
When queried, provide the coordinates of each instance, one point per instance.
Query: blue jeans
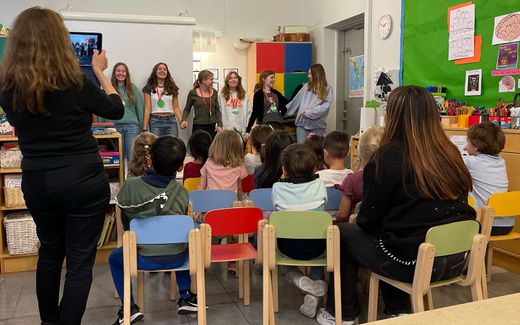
(129, 133)
(148, 263)
(163, 125)
(301, 133)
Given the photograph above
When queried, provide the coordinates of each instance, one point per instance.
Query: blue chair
(333, 198)
(207, 200)
(164, 229)
(261, 198)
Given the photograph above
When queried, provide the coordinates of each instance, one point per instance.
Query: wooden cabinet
(16, 263)
(289, 60)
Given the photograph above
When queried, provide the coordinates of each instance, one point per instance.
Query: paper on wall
(462, 33)
(506, 85)
(507, 28)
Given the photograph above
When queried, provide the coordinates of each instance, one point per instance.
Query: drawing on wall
(473, 84)
(507, 56)
(462, 32)
(506, 85)
(357, 76)
(507, 28)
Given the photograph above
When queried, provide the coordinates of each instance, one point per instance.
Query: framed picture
(195, 75)
(507, 57)
(216, 86)
(228, 70)
(215, 73)
(473, 84)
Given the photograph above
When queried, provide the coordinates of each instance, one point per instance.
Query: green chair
(297, 225)
(440, 241)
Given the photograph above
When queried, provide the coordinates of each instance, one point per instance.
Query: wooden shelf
(111, 166)
(107, 136)
(10, 170)
(8, 139)
(21, 207)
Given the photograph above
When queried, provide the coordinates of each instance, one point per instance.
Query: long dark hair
(170, 87)
(271, 168)
(199, 144)
(435, 163)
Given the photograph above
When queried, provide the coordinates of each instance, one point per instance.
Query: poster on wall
(506, 85)
(507, 56)
(357, 76)
(507, 28)
(473, 84)
(462, 32)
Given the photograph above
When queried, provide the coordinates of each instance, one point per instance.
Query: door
(353, 47)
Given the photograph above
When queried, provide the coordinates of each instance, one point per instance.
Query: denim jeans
(163, 125)
(129, 133)
(301, 133)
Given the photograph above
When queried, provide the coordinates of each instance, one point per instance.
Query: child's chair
(248, 184)
(191, 184)
(164, 229)
(448, 239)
(206, 200)
(505, 205)
(297, 225)
(261, 198)
(229, 222)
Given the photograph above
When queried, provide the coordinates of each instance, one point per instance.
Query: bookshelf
(25, 262)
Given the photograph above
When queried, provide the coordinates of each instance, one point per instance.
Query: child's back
(199, 144)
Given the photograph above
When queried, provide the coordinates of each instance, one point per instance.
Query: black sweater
(397, 215)
(63, 137)
(258, 107)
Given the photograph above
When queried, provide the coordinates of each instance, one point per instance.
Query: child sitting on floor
(315, 142)
(271, 169)
(156, 193)
(352, 186)
(198, 144)
(488, 169)
(335, 150)
(140, 161)
(258, 136)
(301, 190)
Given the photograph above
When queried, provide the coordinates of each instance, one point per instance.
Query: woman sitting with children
(415, 180)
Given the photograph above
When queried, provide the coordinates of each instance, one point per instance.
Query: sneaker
(317, 288)
(135, 315)
(187, 305)
(310, 304)
(325, 318)
(232, 267)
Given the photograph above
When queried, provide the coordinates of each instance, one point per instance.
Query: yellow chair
(441, 240)
(192, 184)
(505, 205)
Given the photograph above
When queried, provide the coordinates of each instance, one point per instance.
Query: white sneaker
(317, 288)
(310, 304)
(325, 318)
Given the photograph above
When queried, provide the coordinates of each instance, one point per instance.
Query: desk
(499, 310)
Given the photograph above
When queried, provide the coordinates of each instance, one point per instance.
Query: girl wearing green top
(130, 125)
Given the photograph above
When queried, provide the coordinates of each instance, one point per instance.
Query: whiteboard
(141, 46)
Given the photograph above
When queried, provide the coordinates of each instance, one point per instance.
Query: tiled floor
(18, 299)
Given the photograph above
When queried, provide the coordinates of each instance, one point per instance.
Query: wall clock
(384, 26)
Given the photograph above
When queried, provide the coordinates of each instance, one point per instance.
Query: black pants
(68, 205)
(359, 248)
(210, 128)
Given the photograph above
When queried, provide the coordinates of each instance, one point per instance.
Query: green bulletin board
(425, 48)
(2, 46)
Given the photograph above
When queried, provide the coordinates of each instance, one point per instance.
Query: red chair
(248, 184)
(228, 222)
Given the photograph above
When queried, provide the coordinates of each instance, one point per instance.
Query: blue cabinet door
(298, 57)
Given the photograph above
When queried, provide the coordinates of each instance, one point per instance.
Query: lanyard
(204, 100)
(160, 95)
(269, 98)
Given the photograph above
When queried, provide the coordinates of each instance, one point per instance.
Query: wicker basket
(21, 234)
(13, 197)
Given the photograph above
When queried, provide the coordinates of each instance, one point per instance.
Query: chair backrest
(300, 224)
(505, 204)
(261, 197)
(248, 184)
(164, 229)
(206, 200)
(452, 238)
(233, 221)
(191, 184)
(333, 198)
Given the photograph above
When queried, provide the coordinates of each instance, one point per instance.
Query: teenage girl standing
(161, 102)
(204, 99)
(234, 103)
(268, 103)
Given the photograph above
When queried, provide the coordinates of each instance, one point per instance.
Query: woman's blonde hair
(318, 85)
(263, 75)
(435, 163)
(141, 159)
(241, 92)
(128, 83)
(368, 144)
(203, 75)
(227, 149)
(38, 60)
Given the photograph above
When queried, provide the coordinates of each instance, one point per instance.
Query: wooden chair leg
(140, 290)
(247, 284)
(193, 284)
(266, 281)
(372, 299)
(417, 303)
(173, 286)
(326, 278)
(476, 291)
(483, 283)
(240, 275)
(274, 280)
(430, 299)
(489, 261)
(271, 303)
(337, 294)
(127, 291)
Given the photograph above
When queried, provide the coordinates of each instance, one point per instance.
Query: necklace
(209, 107)
(160, 94)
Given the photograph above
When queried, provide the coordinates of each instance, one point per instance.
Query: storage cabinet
(289, 60)
(16, 263)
